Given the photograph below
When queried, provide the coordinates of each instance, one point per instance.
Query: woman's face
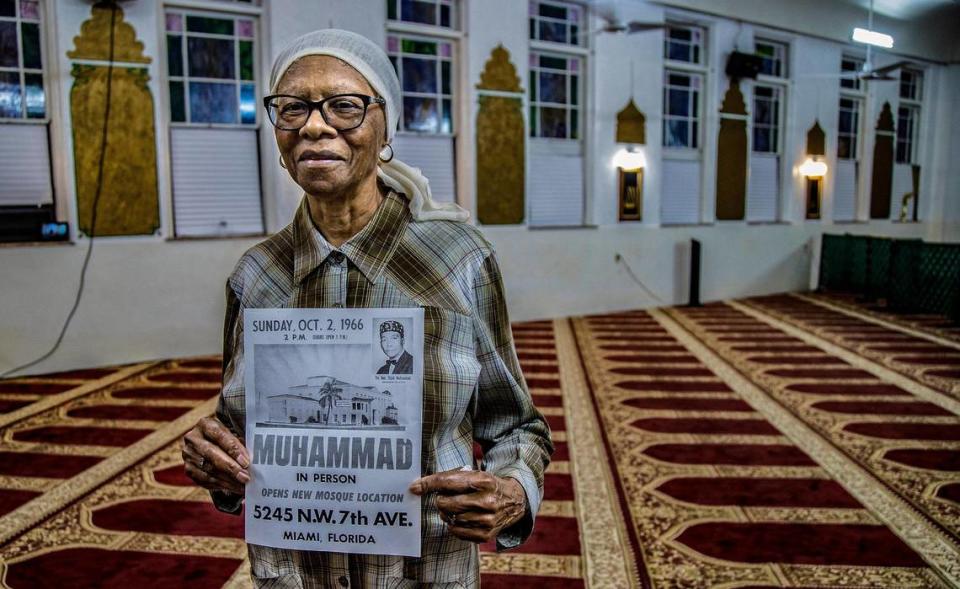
(322, 160)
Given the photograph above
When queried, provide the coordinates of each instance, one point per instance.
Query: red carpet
(668, 470)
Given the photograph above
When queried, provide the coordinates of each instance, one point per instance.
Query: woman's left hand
(475, 504)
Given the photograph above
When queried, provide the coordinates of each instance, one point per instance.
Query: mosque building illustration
(325, 401)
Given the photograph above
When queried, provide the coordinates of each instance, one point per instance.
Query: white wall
(154, 297)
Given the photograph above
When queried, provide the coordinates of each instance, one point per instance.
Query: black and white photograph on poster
(395, 359)
(289, 395)
(334, 446)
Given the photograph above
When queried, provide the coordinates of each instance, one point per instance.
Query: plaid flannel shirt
(473, 386)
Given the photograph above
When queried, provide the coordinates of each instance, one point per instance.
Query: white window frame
(222, 9)
(575, 32)
(699, 44)
(700, 69)
(438, 34)
(856, 92)
(557, 149)
(914, 105)
(687, 68)
(783, 59)
(694, 119)
(454, 15)
(47, 125)
(185, 77)
(574, 132)
(22, 71)
(439, 96)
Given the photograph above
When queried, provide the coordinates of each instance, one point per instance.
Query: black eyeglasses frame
(318, 105)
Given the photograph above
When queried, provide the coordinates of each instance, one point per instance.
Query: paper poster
(334, 415)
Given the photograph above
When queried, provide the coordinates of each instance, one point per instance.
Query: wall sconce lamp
(814, 169)
(630, 162)
(630, 158)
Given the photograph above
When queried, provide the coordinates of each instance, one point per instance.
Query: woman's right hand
(215, 458)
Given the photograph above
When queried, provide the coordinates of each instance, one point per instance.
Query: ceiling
(909, 9)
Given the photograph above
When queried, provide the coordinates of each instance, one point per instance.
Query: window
(908, 115)
(773, 56)
(425, 69)
(763, 188)
(766, 119)
(557, 63)
(850, 65)
(26, 192)
(681, 109)
(21, 63)
(911, 84)
(846, 185)
(848, 129)
(767, 131)
(426, 64)
(212, 64)
(684, 43)
(556, 22)
(554, 96)
(438, 13)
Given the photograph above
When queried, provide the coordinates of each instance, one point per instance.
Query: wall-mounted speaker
(743, 65)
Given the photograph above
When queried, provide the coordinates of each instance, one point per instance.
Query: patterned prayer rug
(773, 442)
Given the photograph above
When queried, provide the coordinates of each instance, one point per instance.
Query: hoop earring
(387, 159)
(282, 164)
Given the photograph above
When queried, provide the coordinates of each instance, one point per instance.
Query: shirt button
(344, 581)
(337, 258)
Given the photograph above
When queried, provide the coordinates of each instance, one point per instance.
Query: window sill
(399, 26)
(552, 227)
(769, 223)
(16, 244)
(854, 222)
(186, 238)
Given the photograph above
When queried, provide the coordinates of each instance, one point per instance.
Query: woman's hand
(215, 458)
(475, 504)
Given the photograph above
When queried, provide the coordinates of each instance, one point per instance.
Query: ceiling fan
(868, 73)
(613, 25)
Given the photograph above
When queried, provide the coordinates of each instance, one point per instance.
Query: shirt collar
(369, 250)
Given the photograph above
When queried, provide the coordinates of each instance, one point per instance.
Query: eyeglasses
(343, 112)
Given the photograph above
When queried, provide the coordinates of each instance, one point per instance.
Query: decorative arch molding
(127, 202)
(732, 157)
(501, 142)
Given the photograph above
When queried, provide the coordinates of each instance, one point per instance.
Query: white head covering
(373, 64)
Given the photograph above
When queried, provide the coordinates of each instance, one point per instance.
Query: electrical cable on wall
(93, 214)
(620, 259)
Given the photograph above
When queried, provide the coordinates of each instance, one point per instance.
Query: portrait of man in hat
(399, 361)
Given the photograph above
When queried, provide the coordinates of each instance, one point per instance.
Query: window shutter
(763, 188)
(24, 166)
(556, 185)
(680, 195)
(845, 191)
(434, 155)
(216, 182)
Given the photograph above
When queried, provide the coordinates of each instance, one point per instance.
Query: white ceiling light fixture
(870, 36)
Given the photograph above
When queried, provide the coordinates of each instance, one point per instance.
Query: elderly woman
(367, 234)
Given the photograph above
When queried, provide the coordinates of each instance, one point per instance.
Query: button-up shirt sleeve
(513, 434)
(232, 378)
